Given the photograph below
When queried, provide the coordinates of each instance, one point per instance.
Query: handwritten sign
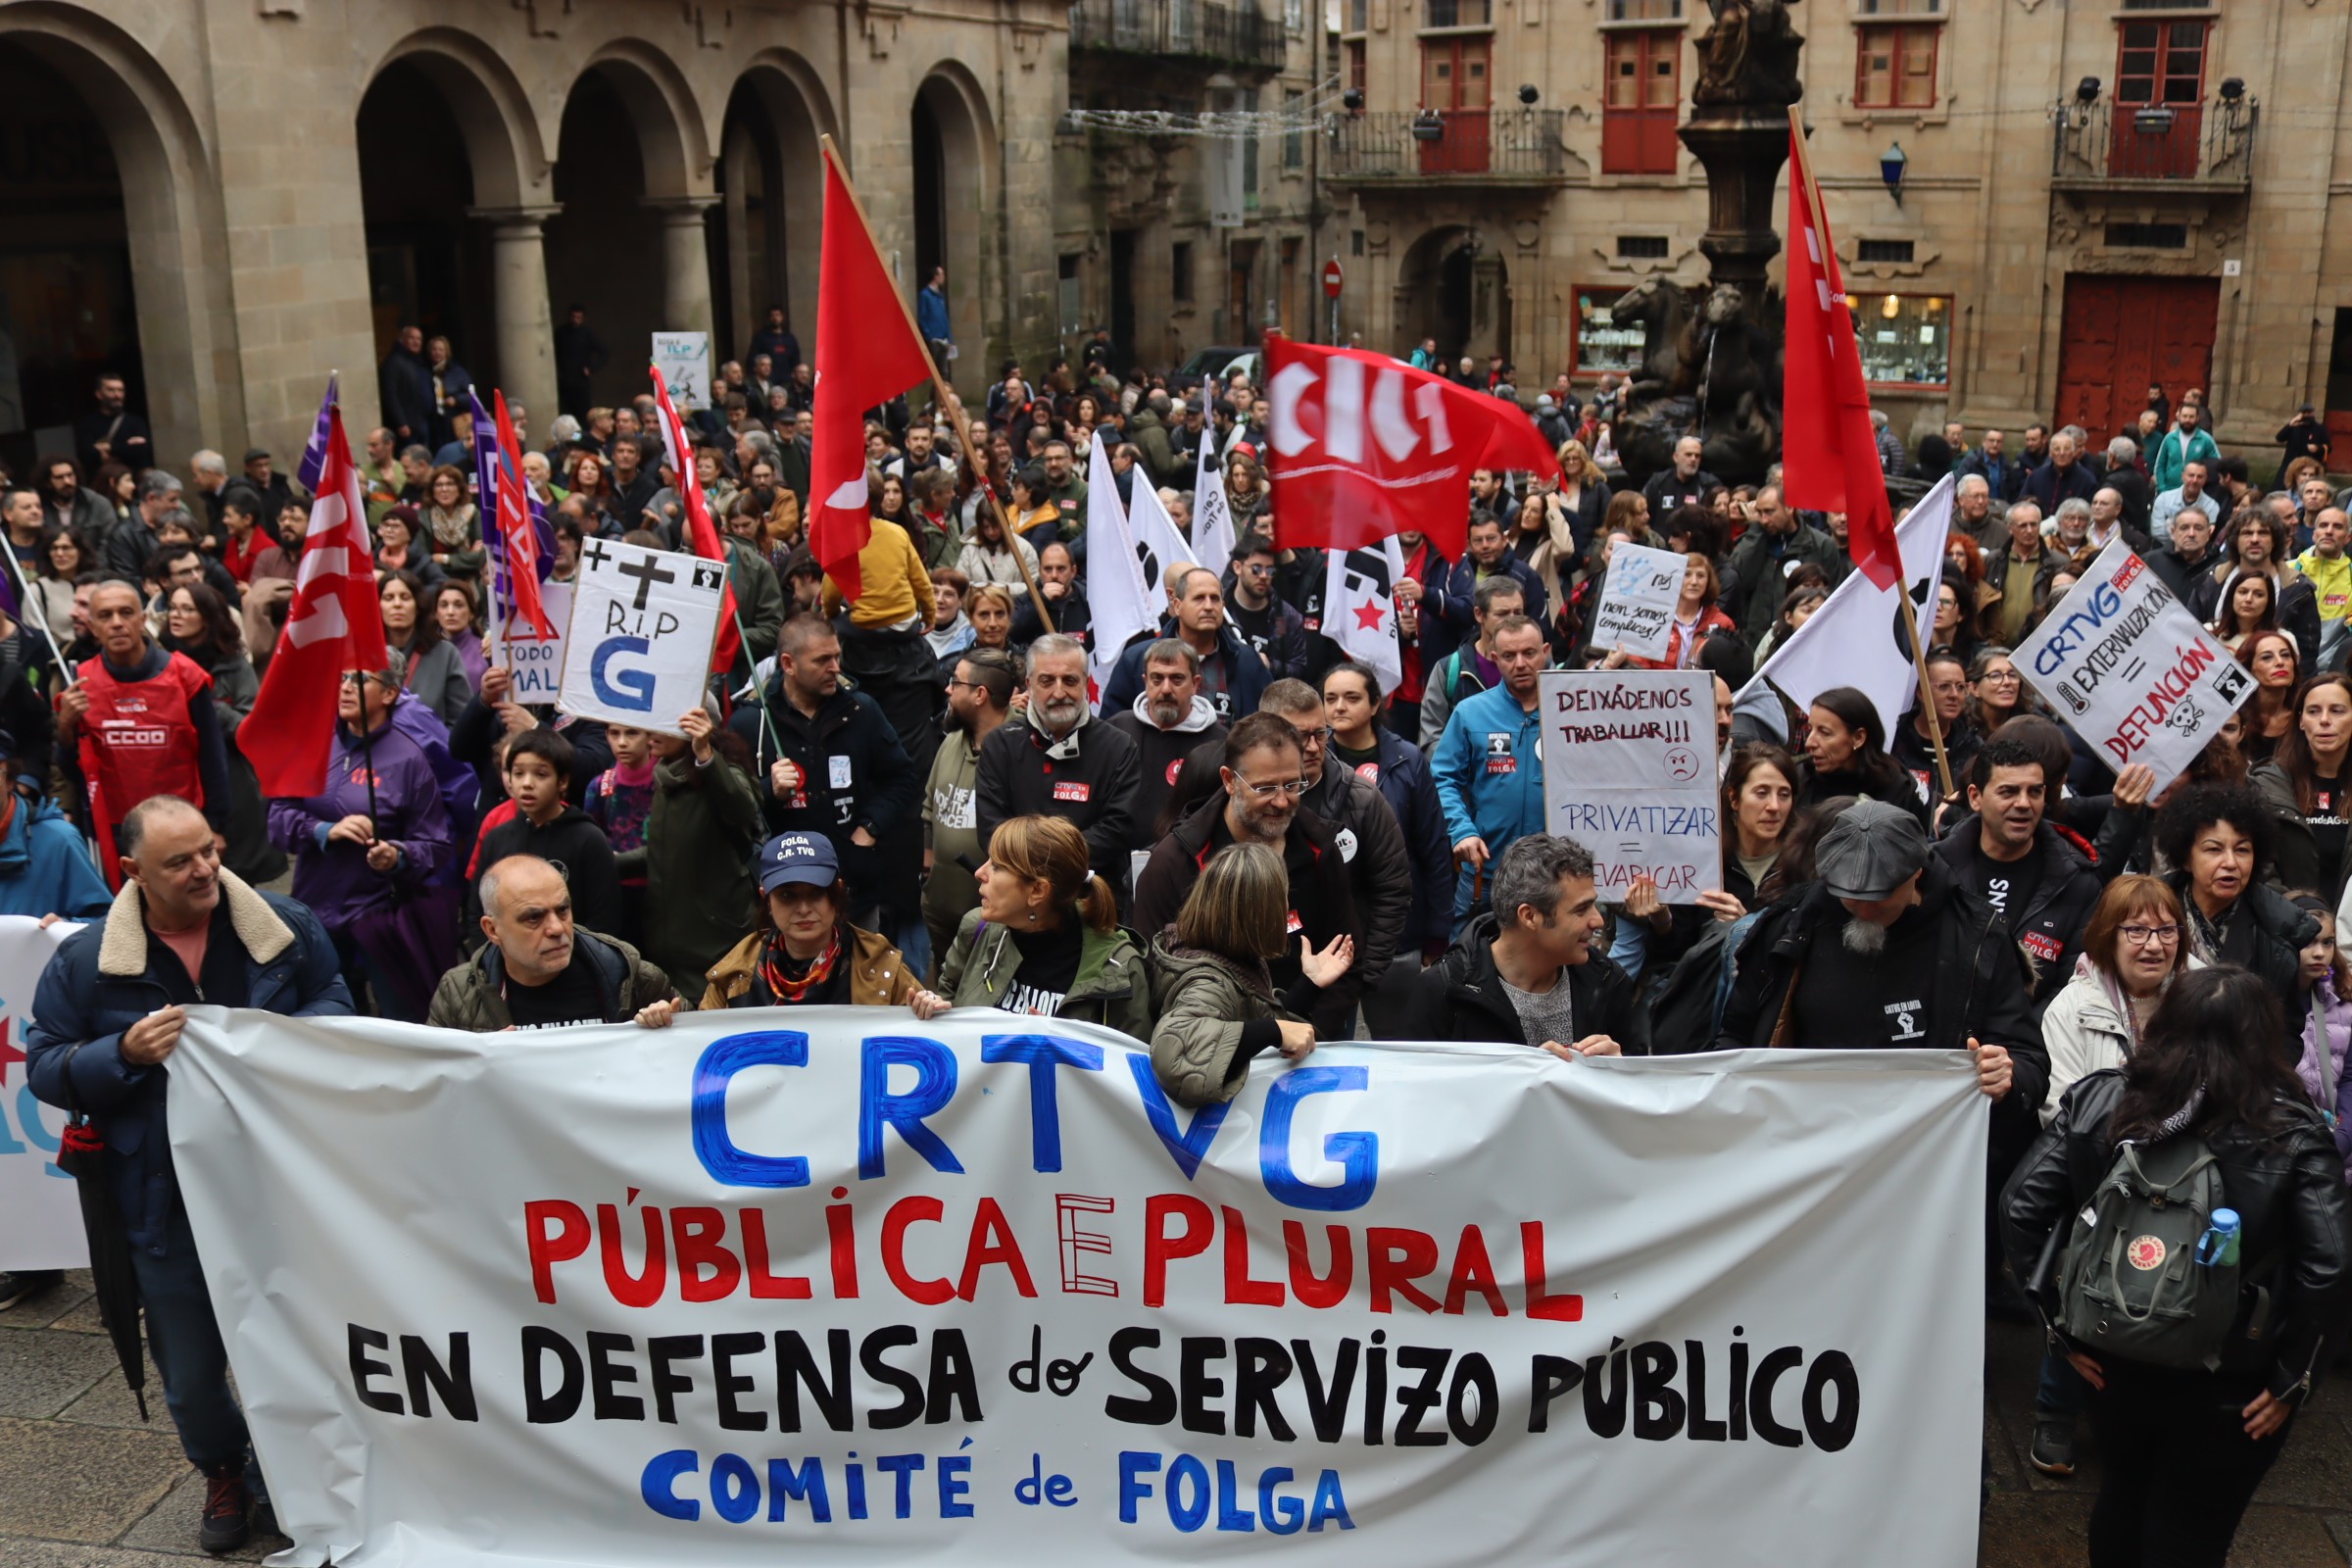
(538, 661)
(1629, 772)
(642, 625)
(1637, 599)
(2131, 671)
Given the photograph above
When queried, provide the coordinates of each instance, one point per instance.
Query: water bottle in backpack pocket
(2151, 1273)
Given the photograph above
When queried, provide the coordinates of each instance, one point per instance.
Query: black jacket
(405, 386)
(2280, 932)
(1071, 617)
(1978, 991)
(1094, 790)
(2189, 581)
(2288, 1191)
(1461, 998)
(1321, 898)
(2049, 929)
(575, 846)
(854, 772)
(1380, 869)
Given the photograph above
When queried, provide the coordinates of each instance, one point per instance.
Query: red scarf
(789, 992)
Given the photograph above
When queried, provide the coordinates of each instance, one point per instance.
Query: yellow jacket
(896, 583)
(2331, 580)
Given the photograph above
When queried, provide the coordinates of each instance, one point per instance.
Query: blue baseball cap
(802, 857)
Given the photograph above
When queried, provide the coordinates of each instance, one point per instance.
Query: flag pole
(24, 600)
(1910, 617)
(945, 395)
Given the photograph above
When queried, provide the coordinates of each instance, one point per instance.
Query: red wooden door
(1455, 84)
(2160, 71)
(2123, 333)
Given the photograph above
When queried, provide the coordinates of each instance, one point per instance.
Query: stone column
(526, 343)
(685, 264)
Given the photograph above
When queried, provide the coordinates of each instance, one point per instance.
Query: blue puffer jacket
(44, 868)
(1489, 771)
(103, 980)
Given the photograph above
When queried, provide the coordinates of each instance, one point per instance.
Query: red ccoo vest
(138, 740)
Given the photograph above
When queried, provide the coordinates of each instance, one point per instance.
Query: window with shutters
(1894, 68)
(1642, 101)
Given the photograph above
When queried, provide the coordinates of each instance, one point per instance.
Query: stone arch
(1453, 284)
(503, 142)
(772, 198)
(172, 219)
(632, 178)
(672, 144)
(951, 133)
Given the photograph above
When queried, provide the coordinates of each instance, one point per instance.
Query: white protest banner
(40, 1208)
(1637, 599)
(684, 361)
(1629, 772)
(835, 1285)
(2131, 671)
(643, 622)
(537, 662)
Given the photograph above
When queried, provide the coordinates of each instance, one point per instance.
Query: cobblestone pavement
(83, 1485)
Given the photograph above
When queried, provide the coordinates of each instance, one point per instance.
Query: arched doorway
(953, 158)
(770, 208)
(605, 243)
(67, 310)
(1454, 287)
(427, 263)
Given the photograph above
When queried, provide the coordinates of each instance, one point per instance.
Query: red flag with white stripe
(332, 625)
(701, 537)
(1828, 449)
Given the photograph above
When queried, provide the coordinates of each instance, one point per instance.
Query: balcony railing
(1481, 144)
(1237, 34)
(2107, 145)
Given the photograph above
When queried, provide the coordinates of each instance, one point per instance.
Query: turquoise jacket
(1489, 771)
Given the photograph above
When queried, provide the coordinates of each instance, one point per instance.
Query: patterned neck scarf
(786, 990)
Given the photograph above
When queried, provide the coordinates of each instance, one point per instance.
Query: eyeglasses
(1312, 737)
(1291, 787)
(2141, 936)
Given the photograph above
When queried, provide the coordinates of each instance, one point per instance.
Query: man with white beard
(1888, 950)
(1056, 760)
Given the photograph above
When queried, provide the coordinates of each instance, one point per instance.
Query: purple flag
(314, 452)
(486, 464)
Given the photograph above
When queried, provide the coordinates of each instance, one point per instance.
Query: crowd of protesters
(1246, 843)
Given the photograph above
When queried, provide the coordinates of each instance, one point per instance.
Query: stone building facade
(1179, 243)
(2040, 208)
(225, 198)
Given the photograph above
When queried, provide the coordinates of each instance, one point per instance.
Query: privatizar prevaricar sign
(643, 623)
(1629, 772)
(832, 1285)
(1638, 600)
(2129, 670)
(40, 1208)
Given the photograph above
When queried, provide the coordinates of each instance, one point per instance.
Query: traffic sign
(1332, 278)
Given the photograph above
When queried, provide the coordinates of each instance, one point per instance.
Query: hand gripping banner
(833, 1285)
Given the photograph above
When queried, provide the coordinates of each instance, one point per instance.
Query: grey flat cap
(1869, 851)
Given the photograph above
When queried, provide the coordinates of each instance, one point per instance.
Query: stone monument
(1711, 359)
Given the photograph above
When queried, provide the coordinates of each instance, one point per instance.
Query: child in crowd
(619, 801)
(537, 770)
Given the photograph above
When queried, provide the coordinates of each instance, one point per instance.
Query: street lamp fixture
(1891, 163)
(1528, 94)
